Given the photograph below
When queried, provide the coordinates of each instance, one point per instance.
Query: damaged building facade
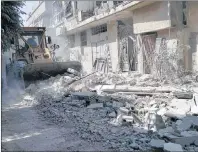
(123, 35)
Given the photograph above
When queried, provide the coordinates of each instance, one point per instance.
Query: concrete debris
(95, 105)
(188, 122)
(189, 133)
(177, 114)
(171, 147)
(185, 141)
(112, 114)
(183, 95)
(196, 142)
(102, 117)
(157, 143)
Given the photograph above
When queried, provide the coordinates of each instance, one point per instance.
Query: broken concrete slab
(187, 122)
(127, 118)
(178, 122)
(171, 147)
(181, 104)
(177, 114)
(196, 142)
(117, 104)
(124, 110)
(117, 121)
(185, 125)
(112, 114)
(162, 111)
(161, 132)
(156, 143)
(189, 133)
(95, 106)
(185, 141)
(183, 95)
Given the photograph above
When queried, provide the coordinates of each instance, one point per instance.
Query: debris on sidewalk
(126, 121)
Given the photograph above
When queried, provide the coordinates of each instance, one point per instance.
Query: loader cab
(33, 45)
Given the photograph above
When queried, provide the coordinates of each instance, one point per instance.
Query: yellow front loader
(32, 47)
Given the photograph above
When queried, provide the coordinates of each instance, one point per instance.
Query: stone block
(156, 143)
(171, 147)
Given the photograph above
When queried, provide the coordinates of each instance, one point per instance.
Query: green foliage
(11, 21)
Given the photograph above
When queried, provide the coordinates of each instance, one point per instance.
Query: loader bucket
(41, 71)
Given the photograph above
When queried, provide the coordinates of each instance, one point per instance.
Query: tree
(11, 21)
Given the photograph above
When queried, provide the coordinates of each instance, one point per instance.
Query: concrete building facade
(119, 35)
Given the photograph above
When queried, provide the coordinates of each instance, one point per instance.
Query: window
(32, 39)
(184, 12)
(83, 38)
(71, 40)
(68, 9)
(116, 3)
(99, 29)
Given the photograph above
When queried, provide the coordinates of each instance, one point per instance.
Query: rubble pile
(165, 121)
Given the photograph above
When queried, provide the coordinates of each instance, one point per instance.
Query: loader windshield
(32, 39)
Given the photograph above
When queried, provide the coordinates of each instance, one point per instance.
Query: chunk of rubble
(178, 122)
(117, 104)
(185, 141)
(196, 142)
(128, 118)
(117, 121)
(156, 143)
(171, 147)
(162, 111)
(187, 122)
(95, 106)
(112, 114)
(135, 146)
(183, 95)
(162, 132)
(181, 104)
(177, 114)
(123, 110)
(189, 133)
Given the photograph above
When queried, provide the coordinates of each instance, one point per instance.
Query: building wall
(151, 18)
(44, 11)
(84, 54)
(112, 29)
(192, 29)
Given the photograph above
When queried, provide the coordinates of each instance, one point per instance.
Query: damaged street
(100, 112)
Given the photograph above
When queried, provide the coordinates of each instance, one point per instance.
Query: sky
(29, 5)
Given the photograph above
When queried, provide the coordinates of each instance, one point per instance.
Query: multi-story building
(40, 15)
(121, 35)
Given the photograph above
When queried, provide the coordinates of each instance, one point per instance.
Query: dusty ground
(23, 129)
(53, 115)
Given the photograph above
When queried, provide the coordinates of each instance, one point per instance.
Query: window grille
(99, 29)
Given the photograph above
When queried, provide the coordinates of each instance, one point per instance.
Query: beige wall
(150, 18)
(113, 43)
(84, 54)
(192, 28)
